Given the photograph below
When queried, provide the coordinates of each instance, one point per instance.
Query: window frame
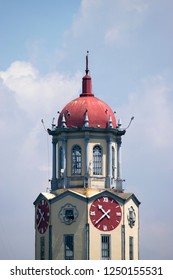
(67, 252)
(105, 246)
(76, 159)
(97, 160)
(113, 162)
(42, 248)
(131, 248)
(60, 160)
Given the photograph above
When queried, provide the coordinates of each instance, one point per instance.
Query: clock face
(42, 215)
(105, 213)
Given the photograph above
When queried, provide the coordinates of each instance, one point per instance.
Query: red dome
(87, 110)
(82, 108)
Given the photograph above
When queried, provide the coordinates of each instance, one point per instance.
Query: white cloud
(138, 6)
(148, 163)
(113, 35)
(37, 94)
(113, 20)
(25, 98)
(151, 105)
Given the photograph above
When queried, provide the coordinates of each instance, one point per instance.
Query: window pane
(76, 160)
(105, 247)
(60, 158)
(68, 244)
(42, 248)
(113, 161)
(97, 160)
(131, 248)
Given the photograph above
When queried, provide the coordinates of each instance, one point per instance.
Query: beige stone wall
(134, 231)
(78, 229)
(95, 241)
(116, 236)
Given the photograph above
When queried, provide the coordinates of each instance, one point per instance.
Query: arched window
(113, 161)
(76, 160)
(97, 160)
(61, 158)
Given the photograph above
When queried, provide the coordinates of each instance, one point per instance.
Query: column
(64, 147)
(54, 181)
(119, 179)
(87, 241)
(86, 159)
(109, 162)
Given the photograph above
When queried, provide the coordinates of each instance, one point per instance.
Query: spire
(87, 70)
(86, 121)
(63, 121)
(86, 82)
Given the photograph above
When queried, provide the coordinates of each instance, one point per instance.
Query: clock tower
(86, 215)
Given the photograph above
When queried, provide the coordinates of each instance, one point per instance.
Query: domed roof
(87, 110)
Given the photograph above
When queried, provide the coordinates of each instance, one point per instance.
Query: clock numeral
(105, 199)
(105, 227)
(92, 213)
(118, 214)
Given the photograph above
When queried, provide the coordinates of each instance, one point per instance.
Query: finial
(86, 121)
(63, 121)
(87, 70)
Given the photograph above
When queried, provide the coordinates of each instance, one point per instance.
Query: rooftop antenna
(87, 70)
(42, 121)
(132, 118)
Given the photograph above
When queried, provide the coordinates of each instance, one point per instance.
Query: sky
(42, 61)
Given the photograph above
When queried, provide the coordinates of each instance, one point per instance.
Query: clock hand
(104, 215)
(103, 211)
(41, 217)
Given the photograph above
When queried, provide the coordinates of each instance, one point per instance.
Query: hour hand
(102, 217)
(100, 207)
(41, 217)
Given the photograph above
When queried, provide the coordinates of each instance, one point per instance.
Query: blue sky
(42, 60)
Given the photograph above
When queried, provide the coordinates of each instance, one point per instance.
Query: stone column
(54, 181)
(109, 162)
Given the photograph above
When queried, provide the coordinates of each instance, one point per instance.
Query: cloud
(36, 94)
(147, 161)
(137, 6)
(152, 107)
(25, 98)
(113, 35)
(113, 26)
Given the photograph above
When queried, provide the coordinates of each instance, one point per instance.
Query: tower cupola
(98, 112)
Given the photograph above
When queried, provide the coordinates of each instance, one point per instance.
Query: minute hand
(105, 214)
(100, 207)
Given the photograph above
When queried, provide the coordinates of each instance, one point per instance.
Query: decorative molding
(68, 214)
(131, 216)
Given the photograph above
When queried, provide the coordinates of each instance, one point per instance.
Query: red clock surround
(105, 213)
(42, 215)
